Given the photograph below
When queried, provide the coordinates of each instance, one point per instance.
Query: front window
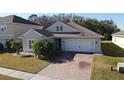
(3, 28)
(61, 28)
(31, 44)
(57, 28)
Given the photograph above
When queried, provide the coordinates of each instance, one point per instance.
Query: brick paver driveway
(69, 66)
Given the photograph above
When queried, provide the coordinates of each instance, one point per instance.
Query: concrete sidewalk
(16, 73)
(39, 77)
(21, 74)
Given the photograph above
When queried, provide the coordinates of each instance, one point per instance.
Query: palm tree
(16, 44)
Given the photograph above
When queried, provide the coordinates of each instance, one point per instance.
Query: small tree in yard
(8, 45)
(37, 47)
(44, 48)
(16, 44)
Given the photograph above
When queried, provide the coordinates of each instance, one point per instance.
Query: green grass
(111, 49)
(3, 77)
(27, 64)
(101, 66)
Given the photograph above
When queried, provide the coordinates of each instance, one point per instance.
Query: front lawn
(27, 64)
(111, 49)
(101, 66)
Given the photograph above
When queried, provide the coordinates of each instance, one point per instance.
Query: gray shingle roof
(84, 31)
(120, 33)
(15, 19)
(44, 32)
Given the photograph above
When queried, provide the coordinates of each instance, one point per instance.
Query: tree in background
(103, 27)
(43, 20)
(32, 17)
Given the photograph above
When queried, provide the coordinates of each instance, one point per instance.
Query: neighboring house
(118, 39)
(13, 26)
(67, 37)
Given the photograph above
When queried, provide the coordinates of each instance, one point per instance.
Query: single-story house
(118, 39)
(67, 37)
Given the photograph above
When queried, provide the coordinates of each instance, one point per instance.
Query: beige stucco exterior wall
(8, 33)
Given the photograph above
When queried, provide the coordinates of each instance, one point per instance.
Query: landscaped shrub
(44, 48)
(8, 44)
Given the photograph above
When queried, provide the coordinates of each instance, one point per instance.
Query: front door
(58, 44)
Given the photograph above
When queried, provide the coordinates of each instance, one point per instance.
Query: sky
(118, 18)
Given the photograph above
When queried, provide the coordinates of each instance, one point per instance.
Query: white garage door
(81, 45)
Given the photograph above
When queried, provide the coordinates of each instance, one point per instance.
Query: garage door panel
(81, 45)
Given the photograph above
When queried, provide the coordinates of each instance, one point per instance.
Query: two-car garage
(80, 45)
